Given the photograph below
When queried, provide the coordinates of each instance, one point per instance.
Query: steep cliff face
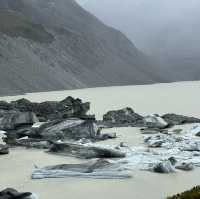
(55, 44)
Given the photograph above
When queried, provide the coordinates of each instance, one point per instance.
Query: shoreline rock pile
(128, 118)
(33, 124)
(122, 118)
(49, 110)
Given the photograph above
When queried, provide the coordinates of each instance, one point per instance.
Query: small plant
(191, 194)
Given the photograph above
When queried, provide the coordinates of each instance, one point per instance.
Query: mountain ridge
(56, 45)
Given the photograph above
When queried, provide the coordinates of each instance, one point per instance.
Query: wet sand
(16, 168)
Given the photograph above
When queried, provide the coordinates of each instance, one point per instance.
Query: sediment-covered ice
(157, 148)
(162, 153)
(98, 168)
(184, 147)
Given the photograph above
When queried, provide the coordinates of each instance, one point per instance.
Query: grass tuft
(191, 194)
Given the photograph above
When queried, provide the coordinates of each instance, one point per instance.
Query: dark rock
(100, 168)
(163, 167)
(4, 149)
(21, 131)
(18, 133)
(185, 166)
(198, 134)
(78, 109)
(13, 119)
(10, 139)
(23, 105)
(68, 129)
(172, 160)
(51, 110)
(17, 118)
(88, 117)
(10, 193)
(5, 105)
(82, 151)
(122, 117)
(174, 119)
(41, 133)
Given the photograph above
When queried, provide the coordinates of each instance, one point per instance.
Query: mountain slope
(168, 30)
(53, 45)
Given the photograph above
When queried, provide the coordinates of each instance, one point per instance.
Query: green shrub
(191, 194)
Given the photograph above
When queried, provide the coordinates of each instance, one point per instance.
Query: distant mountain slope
(168, 30)
(55, 44)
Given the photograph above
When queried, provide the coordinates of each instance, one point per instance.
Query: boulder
(5, 106)
(174, 119)
(163, 167)
(23, 105)
(185, 166)
(14, 119)
(4, 149)
(78, 108)
(172, 160)
(93, 169)
(85, 151)
(41, 133)
(122, 117)
(68, 129)
(155, 121)
(10, 193)
(50, 110)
